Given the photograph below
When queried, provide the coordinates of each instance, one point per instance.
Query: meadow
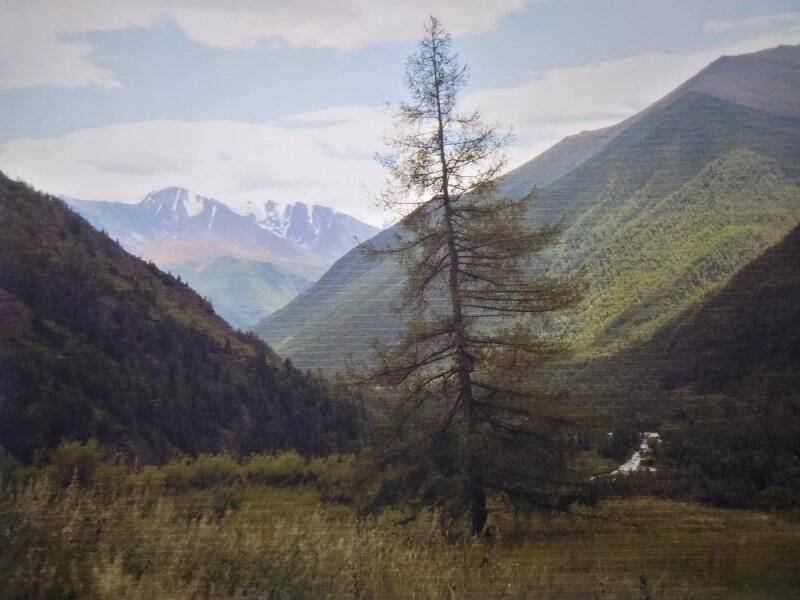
(279, 527)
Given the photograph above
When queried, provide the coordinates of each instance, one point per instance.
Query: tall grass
(217, 528)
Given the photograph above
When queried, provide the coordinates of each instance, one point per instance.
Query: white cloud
(246, 164)
(750, 23)
(38, 46)
(564, 101)
(324, 156)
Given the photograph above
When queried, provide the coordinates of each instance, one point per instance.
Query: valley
(576, 378)
(248, 265)
(275, 536)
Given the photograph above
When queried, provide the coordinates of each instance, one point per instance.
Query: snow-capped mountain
(177, 203)
(247, 265)
(324, 231)
(174, 224)
(190, 223)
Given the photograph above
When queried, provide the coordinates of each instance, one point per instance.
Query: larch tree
(465, 430)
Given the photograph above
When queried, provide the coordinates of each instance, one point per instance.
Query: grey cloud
(254, 183)
(312, 123)
(141, 165)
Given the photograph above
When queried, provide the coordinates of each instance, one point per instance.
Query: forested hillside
(97, 343)
(670, 210)
(720, 383)
(732, 369)
(659, 212)
(743, 339)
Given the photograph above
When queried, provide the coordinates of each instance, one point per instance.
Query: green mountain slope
(243, 291)
(660, 211)
(743, 339)
(706, 187)
(97, 343)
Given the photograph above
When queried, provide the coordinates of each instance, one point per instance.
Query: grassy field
(133, 536)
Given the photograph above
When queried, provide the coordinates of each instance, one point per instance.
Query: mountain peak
(296, 231)
(178, 202)
(296, 208)
(765, 80)
(324, 231)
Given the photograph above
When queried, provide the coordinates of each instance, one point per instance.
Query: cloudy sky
(250, 100)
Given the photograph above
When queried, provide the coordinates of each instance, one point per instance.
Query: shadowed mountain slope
(748, 331)
(742, 340)
(97, 343)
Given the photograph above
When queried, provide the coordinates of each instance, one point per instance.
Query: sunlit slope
(660, 211)
(746, 334)
(677, 210)
(740, 344)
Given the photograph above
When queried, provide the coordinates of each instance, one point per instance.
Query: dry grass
(248, 540)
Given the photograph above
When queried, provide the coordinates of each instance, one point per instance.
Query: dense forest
(735, 437)
(95, 343)
(722, 385)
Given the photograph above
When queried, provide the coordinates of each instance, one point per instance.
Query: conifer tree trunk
(477, 499)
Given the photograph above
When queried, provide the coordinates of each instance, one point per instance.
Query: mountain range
(659, 212)
(684, 222)
(321, 230)
(247, 265)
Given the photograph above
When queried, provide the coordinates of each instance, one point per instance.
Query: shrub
(206, 471)
(150, 477)
(333, 475)
(75, 462)
(287, 468)
(210, 470)
(9, 470)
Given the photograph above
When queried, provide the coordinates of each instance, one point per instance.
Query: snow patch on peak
(298, 222)
(193, 204)
(274, 218)
(180, 202)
